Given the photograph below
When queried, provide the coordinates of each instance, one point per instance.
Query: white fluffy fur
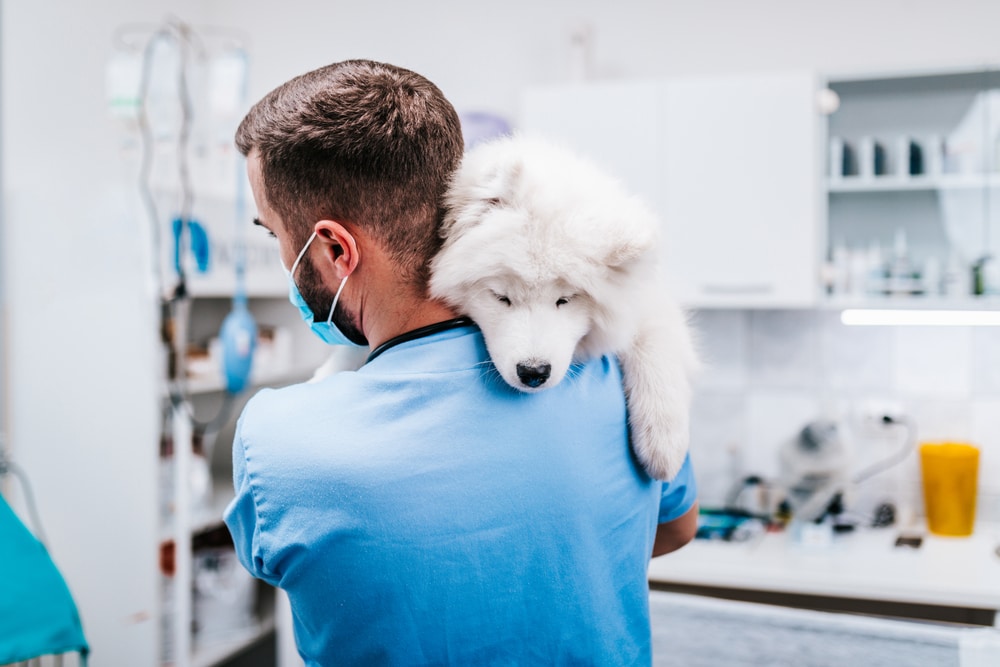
(529, 223)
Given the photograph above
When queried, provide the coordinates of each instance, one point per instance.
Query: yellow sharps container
(950, 472)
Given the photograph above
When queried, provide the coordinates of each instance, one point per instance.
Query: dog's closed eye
(502, 298)
(493, 202)
(563, 300)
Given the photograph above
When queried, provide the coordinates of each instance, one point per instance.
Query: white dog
(556, 262)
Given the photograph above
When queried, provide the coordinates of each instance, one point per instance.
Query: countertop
(863, 565)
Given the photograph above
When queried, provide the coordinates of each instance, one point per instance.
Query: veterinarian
(420, 511)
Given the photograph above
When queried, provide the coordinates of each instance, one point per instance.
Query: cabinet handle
(759, 288)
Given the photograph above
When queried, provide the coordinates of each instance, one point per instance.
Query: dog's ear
(499, 187)
(634, 234)
(626, 249)
(505, 182)
(487, 178)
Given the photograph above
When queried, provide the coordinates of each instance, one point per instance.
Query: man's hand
(672, 535)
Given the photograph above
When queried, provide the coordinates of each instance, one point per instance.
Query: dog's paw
(661, 448)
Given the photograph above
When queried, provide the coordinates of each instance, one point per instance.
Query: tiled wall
(768, 373)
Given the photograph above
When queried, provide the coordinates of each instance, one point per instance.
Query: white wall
(83, 409)
(482, 54)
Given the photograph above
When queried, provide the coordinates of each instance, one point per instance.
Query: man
(419, 511)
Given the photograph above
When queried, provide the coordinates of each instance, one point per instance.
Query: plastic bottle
(900, 270)
(876, 270)
(932, 277)
(957, 278)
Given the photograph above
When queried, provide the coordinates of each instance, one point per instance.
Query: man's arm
(672, 535)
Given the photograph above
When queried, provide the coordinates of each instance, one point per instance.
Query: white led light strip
(921, 318)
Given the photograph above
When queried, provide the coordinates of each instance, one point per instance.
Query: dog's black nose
(534, 376)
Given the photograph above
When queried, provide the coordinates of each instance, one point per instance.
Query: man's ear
(339, 246)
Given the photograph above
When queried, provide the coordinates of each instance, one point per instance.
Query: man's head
(367, 145)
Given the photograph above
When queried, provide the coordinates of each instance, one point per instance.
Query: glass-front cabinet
(913, 190)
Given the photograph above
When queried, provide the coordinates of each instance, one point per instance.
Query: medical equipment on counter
(817, 481)
(814, 470)
(729, 525)
(906, 448)
(816, 465)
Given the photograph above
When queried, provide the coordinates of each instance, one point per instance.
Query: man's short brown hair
(363, 143)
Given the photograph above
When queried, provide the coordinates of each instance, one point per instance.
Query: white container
(901, 168)
(866, 158)
(932, 277)
(836, 166)
(224, 594)
(933, 155)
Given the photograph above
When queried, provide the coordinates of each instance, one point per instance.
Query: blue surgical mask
(328, 332)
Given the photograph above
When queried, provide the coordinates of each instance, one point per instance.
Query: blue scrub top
(420, 511)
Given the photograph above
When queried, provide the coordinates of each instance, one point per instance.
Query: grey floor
(692, 631)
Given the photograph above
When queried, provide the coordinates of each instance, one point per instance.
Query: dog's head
(538, 247)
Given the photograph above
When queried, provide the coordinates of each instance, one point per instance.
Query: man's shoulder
(284, 404)
(364, 397)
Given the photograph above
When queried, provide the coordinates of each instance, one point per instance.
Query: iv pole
(175, 316)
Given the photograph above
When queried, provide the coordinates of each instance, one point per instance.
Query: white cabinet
(741, 201)
(731, 164)
(617, 124)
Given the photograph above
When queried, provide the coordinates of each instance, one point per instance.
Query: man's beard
(318, 297)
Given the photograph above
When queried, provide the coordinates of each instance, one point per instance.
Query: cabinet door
(615, 124)
(741, 200)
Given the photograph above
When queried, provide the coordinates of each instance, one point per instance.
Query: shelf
(206, 517)
(892, 183)
(910, 303)
(209, 384)
(222, 495)
(215, 652)
(278, 291)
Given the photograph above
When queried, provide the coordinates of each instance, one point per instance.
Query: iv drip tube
(176, 310)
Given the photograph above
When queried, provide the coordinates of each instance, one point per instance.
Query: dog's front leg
(657, 369)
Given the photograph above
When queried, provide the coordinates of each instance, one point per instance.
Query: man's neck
(404, 314)
(392, 306)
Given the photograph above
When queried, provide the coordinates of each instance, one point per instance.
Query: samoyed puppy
(556, 263)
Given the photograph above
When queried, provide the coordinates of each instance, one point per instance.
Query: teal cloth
(37, 613)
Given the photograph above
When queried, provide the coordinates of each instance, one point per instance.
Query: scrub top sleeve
(241, 516)
(679, 494)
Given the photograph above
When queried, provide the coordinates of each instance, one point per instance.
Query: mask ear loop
(337, 298)
(302, 254)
